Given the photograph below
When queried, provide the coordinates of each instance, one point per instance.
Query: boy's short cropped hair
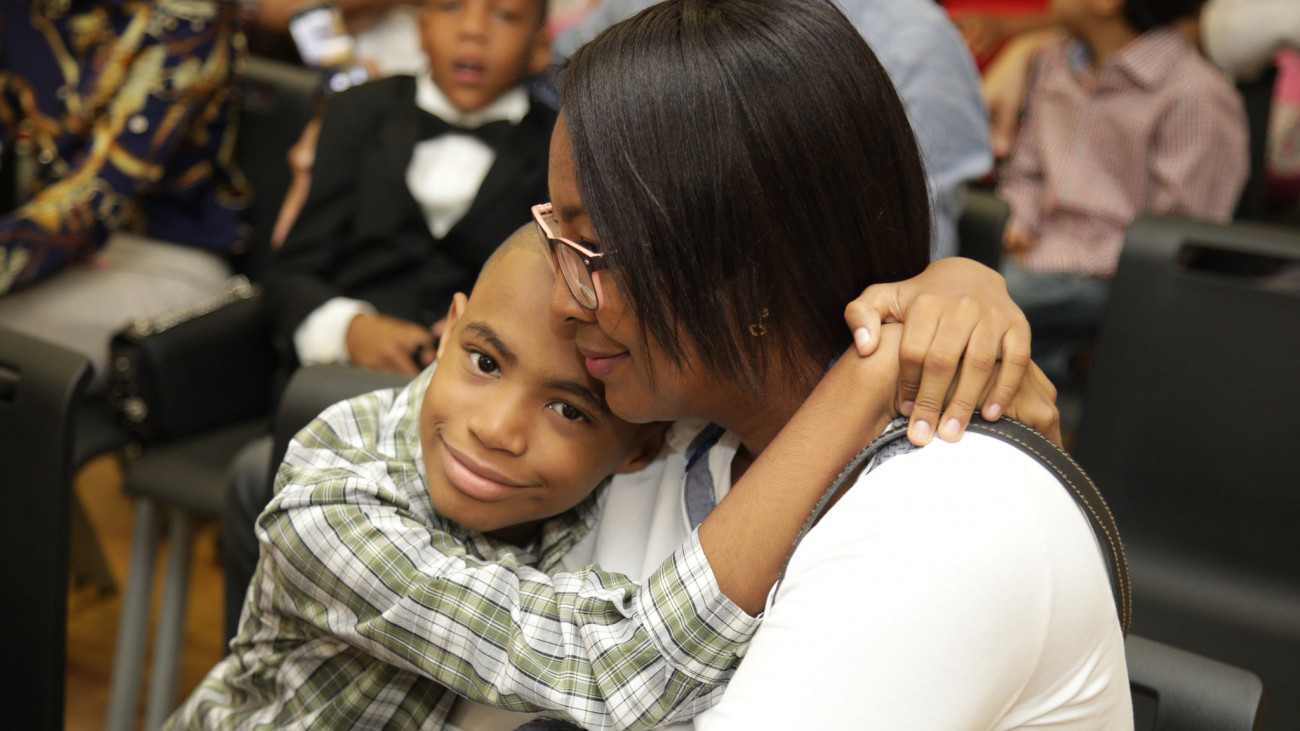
(1145, 15)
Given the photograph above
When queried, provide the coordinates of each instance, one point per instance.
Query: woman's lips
(475, 480)
(600, 366)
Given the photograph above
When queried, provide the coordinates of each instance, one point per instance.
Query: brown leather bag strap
(1051, 456)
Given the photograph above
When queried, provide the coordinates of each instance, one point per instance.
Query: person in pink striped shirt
(1123, 117)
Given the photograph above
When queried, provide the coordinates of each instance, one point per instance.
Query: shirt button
(138, 124)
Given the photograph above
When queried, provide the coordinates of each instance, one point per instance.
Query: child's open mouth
(468, 71)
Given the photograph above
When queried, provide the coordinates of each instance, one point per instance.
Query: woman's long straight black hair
(742, 157)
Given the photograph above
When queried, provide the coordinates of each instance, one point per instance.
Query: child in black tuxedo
(416, 181)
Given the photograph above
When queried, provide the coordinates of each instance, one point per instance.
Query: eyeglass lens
(576, 275)
(570, 264)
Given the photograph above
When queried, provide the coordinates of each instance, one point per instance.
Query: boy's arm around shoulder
(610, 654)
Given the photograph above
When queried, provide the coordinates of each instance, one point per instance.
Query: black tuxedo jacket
(362, 235)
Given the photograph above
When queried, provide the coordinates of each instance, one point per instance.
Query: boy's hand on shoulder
(384, 343)
(1035, 404)
(960, 327)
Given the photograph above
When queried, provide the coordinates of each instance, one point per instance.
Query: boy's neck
(1106, 37)
(521, 535)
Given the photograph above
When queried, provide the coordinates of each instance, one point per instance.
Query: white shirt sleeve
(951, 588)
(322, 336)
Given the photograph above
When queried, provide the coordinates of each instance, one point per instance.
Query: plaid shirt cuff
(699, 631)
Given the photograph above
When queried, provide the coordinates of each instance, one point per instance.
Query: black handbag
(209, 365)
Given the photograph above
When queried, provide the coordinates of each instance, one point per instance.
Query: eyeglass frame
(592, 261)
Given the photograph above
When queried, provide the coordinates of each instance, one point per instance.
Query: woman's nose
(564, 306)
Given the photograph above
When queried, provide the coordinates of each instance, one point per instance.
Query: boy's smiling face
(480, 49)
(513, 429)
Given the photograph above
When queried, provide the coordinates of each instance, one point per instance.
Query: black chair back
(1189, 692)
(979, 230)
(39, 385)
(1190, 417)
(312, 389)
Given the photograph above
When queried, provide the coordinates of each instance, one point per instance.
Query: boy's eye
(568, 411)
(485, 363)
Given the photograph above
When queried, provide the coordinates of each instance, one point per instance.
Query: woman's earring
(758, 329)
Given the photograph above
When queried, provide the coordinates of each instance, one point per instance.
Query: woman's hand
(960, 325)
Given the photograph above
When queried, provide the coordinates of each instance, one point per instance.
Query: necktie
(492, 134)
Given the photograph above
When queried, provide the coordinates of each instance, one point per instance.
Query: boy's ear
(650, 441)
(454, 312)
(539, 55)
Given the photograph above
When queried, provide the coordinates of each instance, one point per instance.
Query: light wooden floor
(93, 619)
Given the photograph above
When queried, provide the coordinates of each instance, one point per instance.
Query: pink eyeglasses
(576, 263)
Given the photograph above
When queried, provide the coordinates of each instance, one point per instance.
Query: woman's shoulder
(981, 493)
(965, 564)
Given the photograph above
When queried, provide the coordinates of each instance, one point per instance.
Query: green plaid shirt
(370, 610)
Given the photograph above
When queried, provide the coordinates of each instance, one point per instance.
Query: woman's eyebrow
(570, 212)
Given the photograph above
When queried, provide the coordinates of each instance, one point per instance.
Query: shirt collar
(1152, 56)
(1146, 61)
(511, 106)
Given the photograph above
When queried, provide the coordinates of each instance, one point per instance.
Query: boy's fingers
(865, 314)
(978, 366)
(918, 334)
(939, 370)
(399, 361)
(1035, 404)
(1015, 360)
